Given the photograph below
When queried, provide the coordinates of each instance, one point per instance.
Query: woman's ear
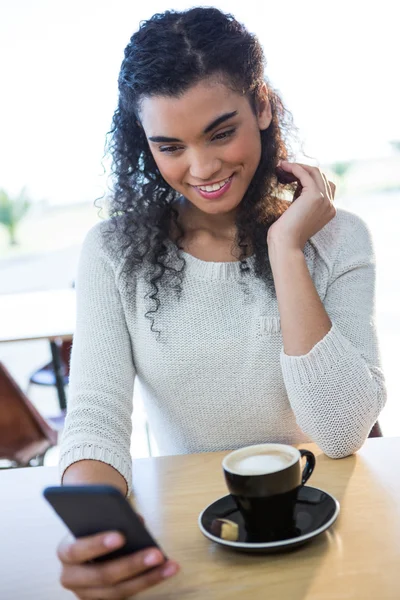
(264, 113)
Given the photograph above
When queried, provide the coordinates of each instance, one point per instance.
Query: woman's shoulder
(94, 236)
(103, 247)
(104, 237)
(347, 237)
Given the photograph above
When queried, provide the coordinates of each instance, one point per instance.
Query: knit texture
(218, 378)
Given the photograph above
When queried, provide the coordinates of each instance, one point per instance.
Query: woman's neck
(209, 239)
(194, 221)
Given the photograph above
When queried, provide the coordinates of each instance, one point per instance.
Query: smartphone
(90, 509)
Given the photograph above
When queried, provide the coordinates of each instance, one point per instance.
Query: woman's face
(209, 136)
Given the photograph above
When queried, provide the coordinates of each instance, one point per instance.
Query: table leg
(55, 353)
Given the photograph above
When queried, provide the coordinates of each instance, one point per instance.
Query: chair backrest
(65, 351)
(376, 431)
(24, 433)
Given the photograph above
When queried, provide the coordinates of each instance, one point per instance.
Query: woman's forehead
(191, 112)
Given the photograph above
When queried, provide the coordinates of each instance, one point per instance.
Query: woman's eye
(224, 134)
(169, 149)
(219, 136)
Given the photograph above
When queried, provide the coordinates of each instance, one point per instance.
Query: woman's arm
(98, 424)
(330, 359)
(304, 320)
(94, 471)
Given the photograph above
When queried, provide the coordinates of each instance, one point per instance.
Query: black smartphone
(90, 509)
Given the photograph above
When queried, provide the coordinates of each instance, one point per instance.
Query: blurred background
(334, 66)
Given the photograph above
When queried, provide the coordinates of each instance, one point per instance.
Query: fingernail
(152, 558)
(169, 570)
(112, 540)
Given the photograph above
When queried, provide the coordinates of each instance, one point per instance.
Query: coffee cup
(264, 481)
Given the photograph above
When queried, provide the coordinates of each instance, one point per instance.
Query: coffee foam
(260, 463)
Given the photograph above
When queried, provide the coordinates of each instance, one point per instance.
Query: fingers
(284, 176)
(331, 186)
(299, 171)
(88, 548)
(111, 572)
(317, 176)
(132, 586)
(116, 578)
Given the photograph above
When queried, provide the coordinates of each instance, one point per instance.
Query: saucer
(315, 512)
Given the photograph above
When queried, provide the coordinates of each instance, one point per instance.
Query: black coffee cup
(264, 481)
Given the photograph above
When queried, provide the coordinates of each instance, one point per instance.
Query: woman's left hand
(309, 212)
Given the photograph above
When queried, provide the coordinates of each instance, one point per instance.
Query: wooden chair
(25, 436)
(45, 375)
(376, 431)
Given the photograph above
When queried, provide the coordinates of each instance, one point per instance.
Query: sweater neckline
(204, 269)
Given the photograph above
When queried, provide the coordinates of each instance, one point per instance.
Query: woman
(245, 318)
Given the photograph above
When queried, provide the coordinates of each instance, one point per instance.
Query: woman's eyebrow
(218, 121)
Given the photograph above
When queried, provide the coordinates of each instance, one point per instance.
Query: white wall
(333, 62)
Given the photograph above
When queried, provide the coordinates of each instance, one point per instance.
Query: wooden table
(357, 559)
(40, 315)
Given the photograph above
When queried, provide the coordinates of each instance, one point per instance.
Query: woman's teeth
(214, 187)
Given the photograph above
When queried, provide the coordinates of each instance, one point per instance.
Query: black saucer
(315, 512)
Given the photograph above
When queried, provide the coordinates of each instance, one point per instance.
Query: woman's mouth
(211, 192)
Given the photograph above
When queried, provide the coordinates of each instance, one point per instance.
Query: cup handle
(309, 466)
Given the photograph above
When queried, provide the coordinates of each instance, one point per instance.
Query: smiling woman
(180, 128)
(247, 319)
(215, 162)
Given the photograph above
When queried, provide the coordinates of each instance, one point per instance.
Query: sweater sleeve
(337, 390)
(100, 401)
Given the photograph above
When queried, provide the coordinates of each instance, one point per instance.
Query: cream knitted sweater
(218, 378)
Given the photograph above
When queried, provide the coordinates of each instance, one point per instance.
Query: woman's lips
(217, 193)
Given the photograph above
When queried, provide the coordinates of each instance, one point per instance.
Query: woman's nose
(204, 166)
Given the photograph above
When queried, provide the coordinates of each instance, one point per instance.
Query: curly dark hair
(141, 206)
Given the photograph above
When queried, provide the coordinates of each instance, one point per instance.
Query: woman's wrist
(280, 249)
(94, 472)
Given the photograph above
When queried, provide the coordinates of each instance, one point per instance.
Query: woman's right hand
(114, 579)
